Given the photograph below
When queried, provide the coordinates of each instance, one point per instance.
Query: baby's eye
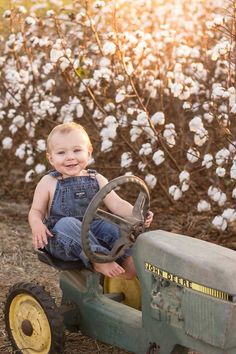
(77, 150)
(60, 152)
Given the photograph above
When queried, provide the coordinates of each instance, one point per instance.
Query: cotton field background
(152, 81)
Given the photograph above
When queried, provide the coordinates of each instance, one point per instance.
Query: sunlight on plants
(154, 81)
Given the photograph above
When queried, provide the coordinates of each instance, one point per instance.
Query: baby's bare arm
(38, 212)
(120, 206)
(114, 203)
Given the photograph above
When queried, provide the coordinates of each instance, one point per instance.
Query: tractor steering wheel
(129, 227)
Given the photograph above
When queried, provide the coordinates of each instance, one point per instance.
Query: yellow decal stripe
(187, 283)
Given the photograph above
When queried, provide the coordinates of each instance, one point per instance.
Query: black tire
(33, 321)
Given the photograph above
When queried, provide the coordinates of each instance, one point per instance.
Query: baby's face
(69, 152)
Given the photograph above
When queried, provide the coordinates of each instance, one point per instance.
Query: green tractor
(184, 295)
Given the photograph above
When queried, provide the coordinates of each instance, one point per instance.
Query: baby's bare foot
(111, 269)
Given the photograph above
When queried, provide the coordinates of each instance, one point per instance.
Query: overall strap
(54, 173)
(92, 173)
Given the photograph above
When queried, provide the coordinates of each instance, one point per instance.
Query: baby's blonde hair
(65, 128)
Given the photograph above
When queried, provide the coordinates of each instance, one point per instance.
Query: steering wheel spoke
(138, 210)
(121, 245)
(115, 219)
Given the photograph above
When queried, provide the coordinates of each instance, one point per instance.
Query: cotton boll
(158, 157)
(56, 54)
(109, 107)
(158, 118)
(185, 186)
(29, 161)
(142, 119)
(49, 84)
(91, 160)
(109, 48)
(2, 115)
(203, 206)
(126, 159)
(220, 223)
(142, 166)
(6, 14)
(151, 180)
(207, 160)
(208, 117)
(30, 21)
(234, 193)
(220, 171)
(184, 176)
(110, 120)
(169, 134)
(29, 176)
(233, 171)
(50, 13)
(129, 68)
(19, 121)
(120, 96)
(79, 110)
(219, 20)
(195, 124)
(40, 168)
(212, 191)
(200, 136)
(20, 151)
(146, 149)
(7, 143)
(104, 62)
(193, 155)
(64, 63)
(229, 214)
(135, 133)
(222, 156)
(222, 200)
(175, 192)
(13, 128)
(176, 89)
(99, 4)
(41, 145)
(186, 105)
(106, 145)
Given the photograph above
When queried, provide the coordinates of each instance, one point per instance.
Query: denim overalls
(71, 199)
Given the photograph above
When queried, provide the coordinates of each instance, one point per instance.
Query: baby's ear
(49, 158)
(90, 151)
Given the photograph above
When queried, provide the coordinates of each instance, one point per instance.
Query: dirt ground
(19, 263)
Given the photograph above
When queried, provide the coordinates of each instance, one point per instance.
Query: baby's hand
(40, 237)
(148, 219)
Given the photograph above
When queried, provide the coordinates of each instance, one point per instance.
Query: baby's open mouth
(73, 165)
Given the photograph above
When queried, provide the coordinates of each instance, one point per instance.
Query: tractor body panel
(188, 289)
(188, 298)
(98, 316)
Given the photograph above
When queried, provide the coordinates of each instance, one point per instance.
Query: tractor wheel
(33, 322)
(131, 289)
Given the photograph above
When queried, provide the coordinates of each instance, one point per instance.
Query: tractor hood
(186, 260)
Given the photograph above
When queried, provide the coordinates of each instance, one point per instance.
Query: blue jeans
(66, 242)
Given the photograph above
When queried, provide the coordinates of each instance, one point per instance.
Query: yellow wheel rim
(29, 325)
(131, 290)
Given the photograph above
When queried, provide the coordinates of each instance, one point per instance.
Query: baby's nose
(70, 155)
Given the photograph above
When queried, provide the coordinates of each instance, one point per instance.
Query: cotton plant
(153, 93)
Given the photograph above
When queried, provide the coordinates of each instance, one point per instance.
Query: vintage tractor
(188, 293)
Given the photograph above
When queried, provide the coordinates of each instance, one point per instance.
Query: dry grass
(18, 263)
